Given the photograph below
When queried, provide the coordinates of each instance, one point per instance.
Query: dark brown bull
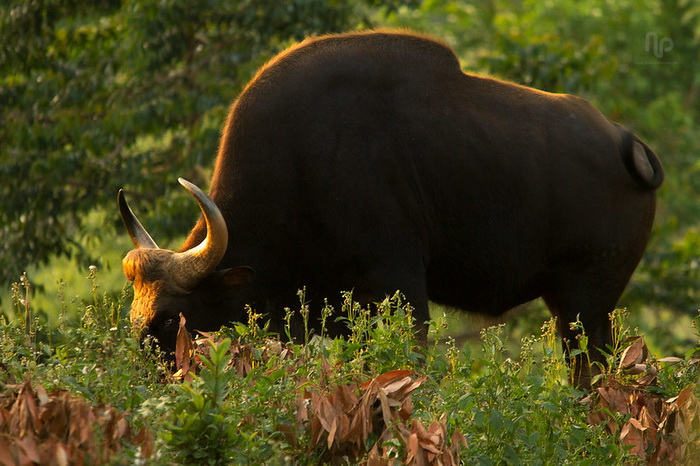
(371, 162)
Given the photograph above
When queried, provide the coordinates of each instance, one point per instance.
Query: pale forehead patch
(147, 265)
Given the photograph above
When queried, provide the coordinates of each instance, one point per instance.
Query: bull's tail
(642, 163)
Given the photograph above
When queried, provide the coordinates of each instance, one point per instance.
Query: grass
(243, 396)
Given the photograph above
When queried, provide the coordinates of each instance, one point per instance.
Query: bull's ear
(236, 279)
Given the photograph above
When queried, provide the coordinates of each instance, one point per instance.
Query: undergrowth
(243, 395)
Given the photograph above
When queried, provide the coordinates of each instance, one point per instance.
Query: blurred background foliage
(107, 94)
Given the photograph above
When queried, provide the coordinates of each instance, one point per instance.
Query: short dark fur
(371, 162)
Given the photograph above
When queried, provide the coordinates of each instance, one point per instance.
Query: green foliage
(674, 273)
(200, 433)
(247, 401)
(380, 340)
(96, 357)
(102, 95)
(520, 410)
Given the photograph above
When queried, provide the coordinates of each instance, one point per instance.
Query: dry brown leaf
(23, 413)
(358, 424)
(241, 358)
(121, 428)
(664, 453)
(411, 448)
(346, 396)
(631, 435)
(344, 421)
(406, 409)
(671, 359)
(344, 429)
(648, 379)
(615, 399)
(324, 412)
(428, 446)
(183, 350)
(41, 395)
(659, 431)
(458, 441)
(685, 396)
(648, 419)
(28, 449)
(634, 354)
(374, 458)
(686, 434)
(144, 439)
(396, 385)
(316, 431)
(388, 377)
(331, 432)
(385, 408)
(414, 384)
(57, 428)
(636, 369)
(6, 457)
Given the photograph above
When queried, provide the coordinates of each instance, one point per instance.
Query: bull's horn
(139, 235)
(191, 266)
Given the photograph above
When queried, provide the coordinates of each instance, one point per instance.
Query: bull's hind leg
(588, 296)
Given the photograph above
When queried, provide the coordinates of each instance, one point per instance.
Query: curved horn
(191, 266)
(139, 235)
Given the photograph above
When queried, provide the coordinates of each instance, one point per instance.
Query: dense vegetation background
(100, 95)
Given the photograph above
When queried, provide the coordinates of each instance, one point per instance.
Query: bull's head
(167, 283)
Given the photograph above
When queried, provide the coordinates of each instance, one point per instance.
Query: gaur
(371, 162)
